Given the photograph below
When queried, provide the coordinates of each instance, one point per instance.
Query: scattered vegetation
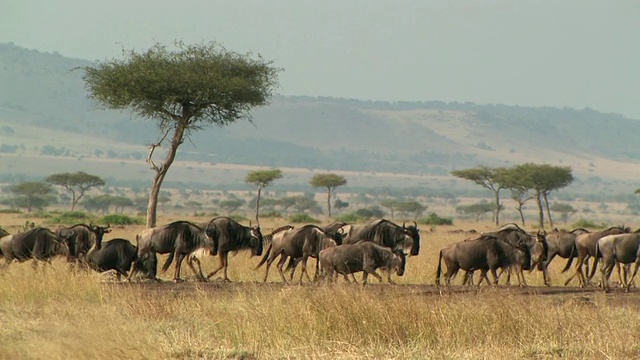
(434, 219)
(584, 223)
(303, 218)
(121, 219)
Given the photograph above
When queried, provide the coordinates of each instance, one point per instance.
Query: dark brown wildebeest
(516, 236)
(116, 254)
(234, 236)
(561, 243)
(39, 244)
(586, 248)
(363, 256)
(486, 254)
(85, 238)
(300, 243)
(178, 239)
(385, 233)
(616, 249)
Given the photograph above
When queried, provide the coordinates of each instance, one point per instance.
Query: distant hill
(44, 110)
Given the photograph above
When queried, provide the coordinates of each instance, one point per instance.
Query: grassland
(52, 312)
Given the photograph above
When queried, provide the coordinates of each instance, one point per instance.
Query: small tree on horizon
(76, 183)
(329, 181)
(30, 195)
(262, 179)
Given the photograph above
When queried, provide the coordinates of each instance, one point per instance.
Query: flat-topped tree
(329, 181)
(262, 179)
(185, 90)
(77, 184)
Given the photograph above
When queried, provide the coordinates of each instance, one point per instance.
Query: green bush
(68, 217)
(434, 219)
(303, 218)
(584, 223)
(121, 219)
(349, 218)
(10, 211)
(238, 217)
(271, 214)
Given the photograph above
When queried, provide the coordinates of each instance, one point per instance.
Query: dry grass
(54, 313)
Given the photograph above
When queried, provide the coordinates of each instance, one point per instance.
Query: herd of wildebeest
(339, 249)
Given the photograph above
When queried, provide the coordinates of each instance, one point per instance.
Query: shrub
(584, 223)
(348, 217)
(68, 217)
(303, 218)
(238, 217)
(434, 219)
(10, 211)
(121, 219)
(271, 214)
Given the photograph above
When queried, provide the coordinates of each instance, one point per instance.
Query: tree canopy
(184, 89)
(30, 195)
(489, 178)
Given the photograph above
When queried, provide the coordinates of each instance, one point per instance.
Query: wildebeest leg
(176, 273)
(495, 275)
(304, 270)
(364, 278)
(520, 275)
(635, 271)
(272, 257)
(283, 260)
(222, 256)
(198, 273)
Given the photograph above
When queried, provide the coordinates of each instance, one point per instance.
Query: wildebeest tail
(570, 261)
(439, 271)
(167, 263)
(265, 257)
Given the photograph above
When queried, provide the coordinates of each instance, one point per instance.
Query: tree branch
(153, 148)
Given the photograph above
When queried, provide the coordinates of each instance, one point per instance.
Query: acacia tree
(185, 90)
(31, 194)
(77, 183)
(488, 178)
(543, 179)
(329, 181)
(262, 179)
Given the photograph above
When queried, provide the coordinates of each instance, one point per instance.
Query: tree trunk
(540, 212)
(546, 204)
(329, 200)
(258, 205)
(161, 172)
(519, 208)
(497, 207)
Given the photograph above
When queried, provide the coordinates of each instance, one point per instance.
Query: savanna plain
(54, 312)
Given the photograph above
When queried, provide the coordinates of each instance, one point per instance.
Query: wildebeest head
(337, 236)
(539, 250)
(256, 241)
(399, 262)
(99, 231)
(414, 233)
(212, 238)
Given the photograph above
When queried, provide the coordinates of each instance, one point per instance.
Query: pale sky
(574, 53)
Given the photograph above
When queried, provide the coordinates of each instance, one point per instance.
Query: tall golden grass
(53, 312)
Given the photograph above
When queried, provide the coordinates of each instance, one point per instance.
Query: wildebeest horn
(415, 223)
(403, 225)
(341, 231)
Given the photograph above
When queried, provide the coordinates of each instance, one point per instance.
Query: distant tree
(391, 204)
(102, 203)
(411, 207)
(30, 195)
(262, 179)
(520, 195)
(329, 181)
(564, 209)
(339, 204)
(231, 205)
(477, 209)
(488, 178)
(77, 183)
(543, 179)
(185, 90)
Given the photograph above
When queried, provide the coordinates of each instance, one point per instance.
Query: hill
(47, 124)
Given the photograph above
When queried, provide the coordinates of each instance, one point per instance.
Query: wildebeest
(178, 239)
(116, 254)
(363, 256)
(38, 243)
(84, 239)
(516, 236)
(385, 233)
(300, 243)
(561, 243)
(234, 236)
(486, 253)
(586, 248)
(620, 248)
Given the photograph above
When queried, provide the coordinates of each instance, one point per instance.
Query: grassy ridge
(51, 312)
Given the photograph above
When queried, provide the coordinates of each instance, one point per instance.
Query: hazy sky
(575, 53)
